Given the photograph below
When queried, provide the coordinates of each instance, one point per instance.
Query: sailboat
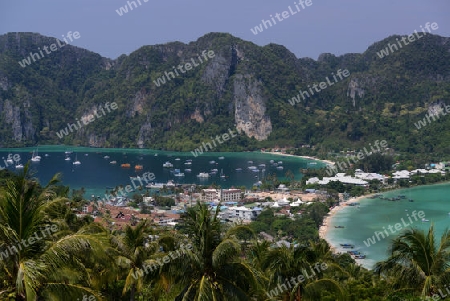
(37, 154)
(76, 162)
(35, 157)
(9, 160)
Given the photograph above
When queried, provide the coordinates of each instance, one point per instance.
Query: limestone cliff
(250, 108)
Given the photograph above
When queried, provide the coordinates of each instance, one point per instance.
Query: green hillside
(243, 85)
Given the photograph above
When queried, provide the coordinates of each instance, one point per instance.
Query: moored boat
(168, 165)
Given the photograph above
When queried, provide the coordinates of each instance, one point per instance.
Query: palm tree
(45, 258)
(417, 263)
(213, 269)
(134, 253)
(298, 273)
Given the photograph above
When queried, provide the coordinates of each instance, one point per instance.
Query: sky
(325, 26)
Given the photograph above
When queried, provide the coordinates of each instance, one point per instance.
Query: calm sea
(95, 173)
(374, 214)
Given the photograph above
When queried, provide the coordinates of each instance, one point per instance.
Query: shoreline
(303, 157)
(323, 230)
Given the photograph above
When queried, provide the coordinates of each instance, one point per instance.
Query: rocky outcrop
(21, 124)
(354, 89)
(137, 104)
(197, 116)
(250, 108)
(144, 131)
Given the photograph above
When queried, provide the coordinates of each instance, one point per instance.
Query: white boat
(10, 160)
(168, 164)
(187, 170)
(222, 175)
(280, 167)
(203, 175)
(155, 185)
(250, 162)
(68, 152)
(106, 157)
(177, 159)
(239, 169)
(280, 162)
(19, 166)
(76, 162)
(170, 183)
(179, 174)
(221, 158)
(271, 161)
(67, 158)
(113, 162)
(262, 165)
(424, 220)
(212, 162)
(35, 158)
(46, 155)
(188, 163)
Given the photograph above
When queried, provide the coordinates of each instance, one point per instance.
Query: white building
(341, 177)
(401, 174)
(243, 213)
(230, 195)
(313, 180)
(210, 195)
(369, 176)
(224, 195)
(282, 188)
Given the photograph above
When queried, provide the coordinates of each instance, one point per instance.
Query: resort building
(224, 195)
(210, 195)
(341, 177)
(370, 176)
(230, 195)
(242, 213)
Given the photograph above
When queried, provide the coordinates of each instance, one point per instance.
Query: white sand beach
(323, 230)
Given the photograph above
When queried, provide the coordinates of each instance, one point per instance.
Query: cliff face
(243, 87)
(19, 119)
(250, 108)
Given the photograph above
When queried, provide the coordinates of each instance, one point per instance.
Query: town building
(224, 195)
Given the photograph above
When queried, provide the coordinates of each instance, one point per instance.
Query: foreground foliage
(143, 262)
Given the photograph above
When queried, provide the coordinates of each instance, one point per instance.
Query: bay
(375, 215)
(95, 173)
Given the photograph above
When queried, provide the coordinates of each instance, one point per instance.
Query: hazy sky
(335, 26)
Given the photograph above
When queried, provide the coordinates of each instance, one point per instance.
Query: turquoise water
(374, 214)
(96, 173)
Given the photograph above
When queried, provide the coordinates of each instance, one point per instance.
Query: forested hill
(232, 84)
